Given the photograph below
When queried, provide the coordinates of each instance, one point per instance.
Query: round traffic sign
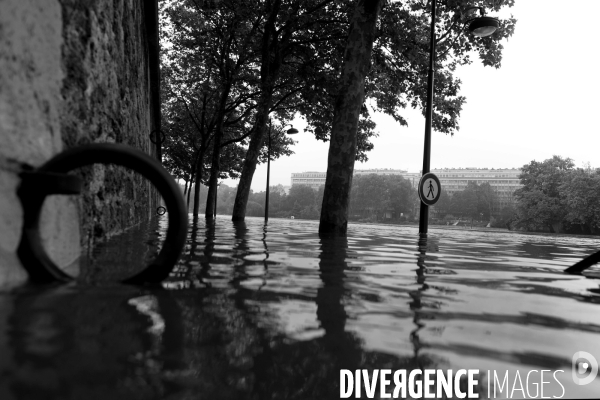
(430, 189)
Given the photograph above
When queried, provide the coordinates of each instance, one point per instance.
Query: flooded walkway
(274, 313)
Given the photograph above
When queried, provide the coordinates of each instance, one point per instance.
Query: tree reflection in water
(271, 311)
(213, 334)
(75, 342)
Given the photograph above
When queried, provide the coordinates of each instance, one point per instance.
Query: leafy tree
(539, 201)
(182, 148)
(281, 56)
(301, 196)
(255, 209)
(580, 192)
(507, 216)
(211, 71)
(348, 105)
(300, 58)
(377, 194)
(398, 77)
(369, 194)
(486, 199)
(466, 202)
(474, 202)
(443, 207)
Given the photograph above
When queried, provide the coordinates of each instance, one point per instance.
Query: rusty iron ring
(157, 133)
(31, 251)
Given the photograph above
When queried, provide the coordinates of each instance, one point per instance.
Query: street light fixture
(481, 26)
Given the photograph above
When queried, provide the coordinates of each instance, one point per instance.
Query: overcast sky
(541, 102)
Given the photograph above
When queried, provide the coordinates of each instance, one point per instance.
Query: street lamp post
(481, 27)
(290, 131)
(424, 212)
(268, 174)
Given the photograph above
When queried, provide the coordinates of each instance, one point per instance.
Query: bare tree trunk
(269, 70)
(214, 176)
(199, 164)
(191, 177)
(342, 145)
(216, 199)
(256, 143)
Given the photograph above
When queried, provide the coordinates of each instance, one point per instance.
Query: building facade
(315, 179)
(504, 182)
(311, 178)
(413, 177)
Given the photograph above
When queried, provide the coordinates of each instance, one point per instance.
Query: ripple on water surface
(275, 312)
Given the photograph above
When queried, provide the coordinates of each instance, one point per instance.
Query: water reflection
(330, 296)
(275, 311)
(417, 295)
(71, 342)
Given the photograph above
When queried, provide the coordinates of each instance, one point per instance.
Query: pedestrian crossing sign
(429, 189)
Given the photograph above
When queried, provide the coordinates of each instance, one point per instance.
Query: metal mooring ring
(157, 136)
(161, 210)
(31, 252)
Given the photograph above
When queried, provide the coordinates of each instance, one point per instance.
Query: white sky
(541, 102)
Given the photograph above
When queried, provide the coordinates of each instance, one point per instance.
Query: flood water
(255, 312)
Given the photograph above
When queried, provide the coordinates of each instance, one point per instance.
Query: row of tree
(230, 66)
(475, 202)
(373, 198)
(557, 197)
(301, 202)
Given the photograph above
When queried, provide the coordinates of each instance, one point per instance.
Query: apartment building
(413, 177)
(311, 178)
(503, 181)
(315, 179)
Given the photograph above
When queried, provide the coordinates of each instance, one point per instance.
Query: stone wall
(74, 72)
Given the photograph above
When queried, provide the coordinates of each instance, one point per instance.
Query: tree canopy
(476, 201)
(209, 89)
(558, 197)
(232, 64)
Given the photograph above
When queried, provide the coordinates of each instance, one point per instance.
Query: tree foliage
(232, 63)
(210, 73)
(540, 205)
(377, 195)
(401, 56)
(581, 197)
(475, 202)
(558, 197)
(372, 197)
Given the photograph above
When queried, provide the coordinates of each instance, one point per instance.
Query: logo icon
(583, 364)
